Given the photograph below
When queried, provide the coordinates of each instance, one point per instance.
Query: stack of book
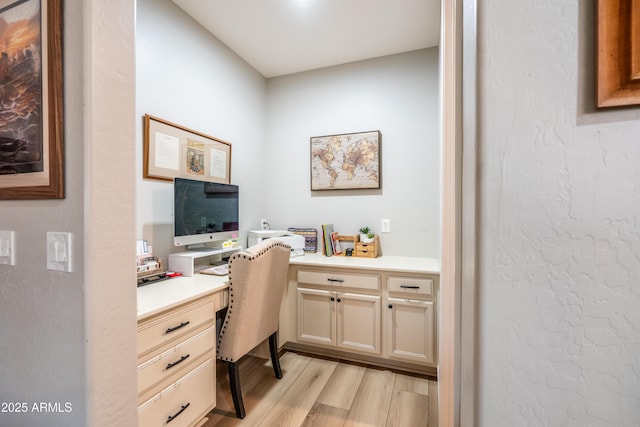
(331, 241)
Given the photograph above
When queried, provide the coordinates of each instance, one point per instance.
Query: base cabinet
(384, 315)
(409, 329)
(177, 364)
(339, 319)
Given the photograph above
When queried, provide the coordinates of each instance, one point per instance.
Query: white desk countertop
(156, 297)
(400, 264)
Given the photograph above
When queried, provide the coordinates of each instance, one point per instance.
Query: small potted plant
(366, 235)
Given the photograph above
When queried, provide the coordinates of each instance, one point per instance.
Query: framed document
(171, 150)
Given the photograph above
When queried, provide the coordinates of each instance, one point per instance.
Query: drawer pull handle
(410, 287)
(182, 359)
(175, 328)
(336, 280)
(173, 417)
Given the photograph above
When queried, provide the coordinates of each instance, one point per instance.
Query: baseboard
(428, 372)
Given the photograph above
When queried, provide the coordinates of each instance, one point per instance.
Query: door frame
(458, 299)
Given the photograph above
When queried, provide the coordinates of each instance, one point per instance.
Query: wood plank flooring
(316, 392)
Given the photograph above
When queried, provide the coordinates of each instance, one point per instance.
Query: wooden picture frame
(349, 161)
(31, 104)
(171, 151)
(618, 53)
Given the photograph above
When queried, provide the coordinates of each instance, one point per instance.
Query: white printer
(294, 240)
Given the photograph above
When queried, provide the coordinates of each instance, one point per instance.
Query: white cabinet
(339, 319)
(409, 330)
(176, 364)
(381, 311)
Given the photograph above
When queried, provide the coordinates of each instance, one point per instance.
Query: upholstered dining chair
(257, 278)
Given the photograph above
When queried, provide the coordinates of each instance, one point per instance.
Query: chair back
(257, 278)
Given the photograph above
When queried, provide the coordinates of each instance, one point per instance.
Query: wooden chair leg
(236, 394)
(273, 350)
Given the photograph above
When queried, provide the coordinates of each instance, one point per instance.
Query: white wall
(559, 275)
(397, 95)
(188, 77)
(41, 311)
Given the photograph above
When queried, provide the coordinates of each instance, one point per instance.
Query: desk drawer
(344, 280)
(411, 285)
(183, 402)
(175, 359)
(160, 330)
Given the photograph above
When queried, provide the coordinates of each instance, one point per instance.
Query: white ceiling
(280, 37)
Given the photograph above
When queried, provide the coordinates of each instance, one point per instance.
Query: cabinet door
(410, 330)
(358, 322)
(316, 316)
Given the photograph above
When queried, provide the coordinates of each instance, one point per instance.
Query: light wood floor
(325, 393)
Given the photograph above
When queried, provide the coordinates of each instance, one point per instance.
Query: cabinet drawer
(346, 280)
(176, 358)
(183, 402)
(411, 285)
(160, 330)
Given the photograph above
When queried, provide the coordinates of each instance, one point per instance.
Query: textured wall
(559, 188)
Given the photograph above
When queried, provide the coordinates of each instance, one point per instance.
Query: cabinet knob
(333, 299)
(390, 306)
(339, 300)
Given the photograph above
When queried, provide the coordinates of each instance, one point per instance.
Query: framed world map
(346, 161)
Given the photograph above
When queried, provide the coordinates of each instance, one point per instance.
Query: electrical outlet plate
(385, 226)
(7, 247)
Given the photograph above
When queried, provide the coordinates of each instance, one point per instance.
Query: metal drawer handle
(173, 417)
(175, 328)
(182, 359)
(409, 287)
(336, 280)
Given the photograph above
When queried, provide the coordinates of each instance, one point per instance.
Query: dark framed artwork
(31, 100)
(618, 52)
(171, 150)
(346, 161)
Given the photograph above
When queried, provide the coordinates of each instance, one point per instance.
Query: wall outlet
(385, 226)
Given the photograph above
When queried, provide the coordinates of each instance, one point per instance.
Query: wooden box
(368, 250)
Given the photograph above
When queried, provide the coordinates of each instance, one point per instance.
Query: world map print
(348, 161)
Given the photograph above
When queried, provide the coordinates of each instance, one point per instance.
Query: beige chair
(257, 277)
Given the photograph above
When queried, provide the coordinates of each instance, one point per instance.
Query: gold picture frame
(618, 52)
(348, 161)
(171, 151)
(31, 123)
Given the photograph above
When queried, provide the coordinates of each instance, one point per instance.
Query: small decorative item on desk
(229, 244)
(368, 249)
(366, 235)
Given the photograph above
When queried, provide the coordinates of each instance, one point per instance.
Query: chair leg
(234, 382)
(273, 350)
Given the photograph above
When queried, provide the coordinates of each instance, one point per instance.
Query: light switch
(7, 247)
(59, 251)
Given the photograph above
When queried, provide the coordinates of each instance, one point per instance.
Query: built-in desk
(381, 311)
(176, 348)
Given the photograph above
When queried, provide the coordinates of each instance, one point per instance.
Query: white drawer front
(345, 280)
(176, 358)
(411, 285)
(183, 402)
(163, 329)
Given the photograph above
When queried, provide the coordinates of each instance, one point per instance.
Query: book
(327, 229)
(335, 243)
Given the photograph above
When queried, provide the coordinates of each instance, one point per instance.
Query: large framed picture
(171, 151)
(31, 104)
(346, 161)
(618, 23)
